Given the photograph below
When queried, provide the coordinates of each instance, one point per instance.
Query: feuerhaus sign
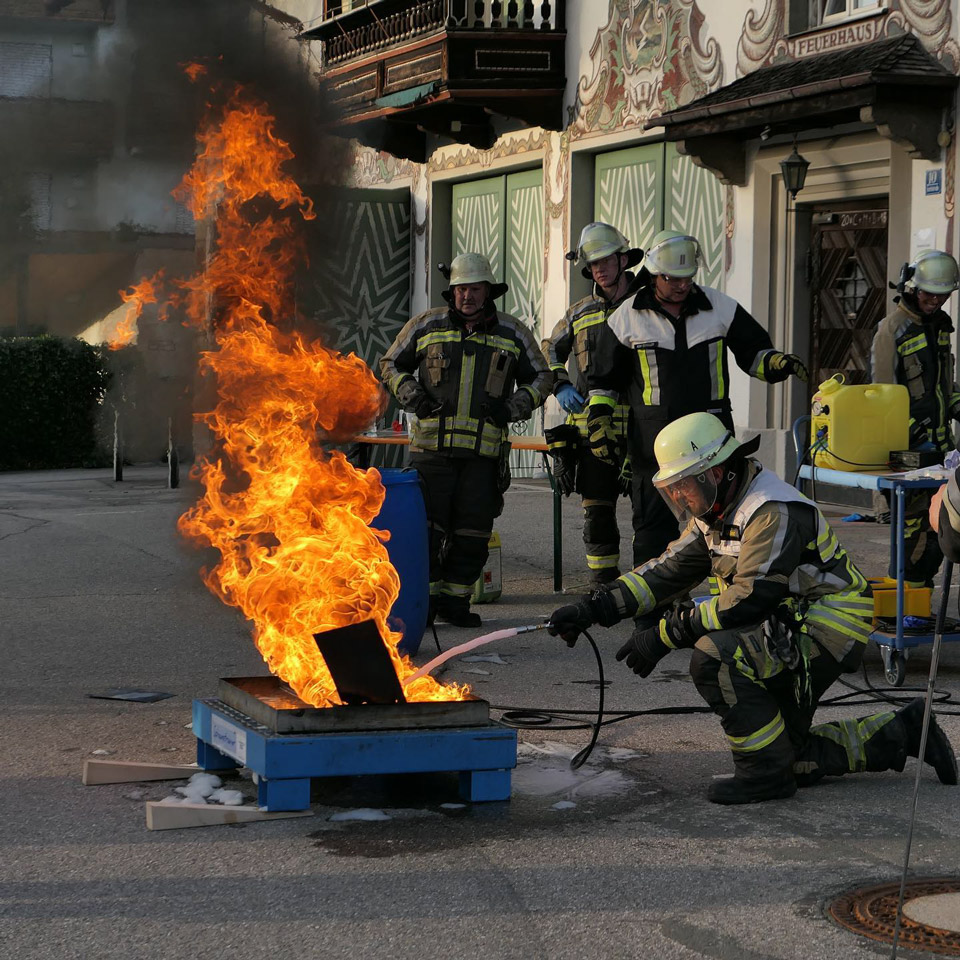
(849, 35)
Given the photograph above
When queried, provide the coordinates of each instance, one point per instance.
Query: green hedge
(51, 396)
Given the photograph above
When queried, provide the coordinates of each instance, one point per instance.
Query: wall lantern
(794, 169)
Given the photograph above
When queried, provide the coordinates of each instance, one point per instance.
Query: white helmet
(674, 254)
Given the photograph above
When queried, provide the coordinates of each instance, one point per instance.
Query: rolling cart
(894, 646)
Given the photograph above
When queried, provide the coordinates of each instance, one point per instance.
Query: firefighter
(912, 346)
(606, 257)
(668, 358)
(793, 613)
(466, 371)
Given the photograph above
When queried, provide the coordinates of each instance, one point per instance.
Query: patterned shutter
(524, 274)
(694, 204)
(478, 220)
(358, 289)
(502, 217)
(629, 191)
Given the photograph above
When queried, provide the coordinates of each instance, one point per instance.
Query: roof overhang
(901, 91)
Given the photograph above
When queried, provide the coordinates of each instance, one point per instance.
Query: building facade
(473, 135)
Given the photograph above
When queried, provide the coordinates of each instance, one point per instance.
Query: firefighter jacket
(577, 334)
(772, 547)
(666, 367)
(915, 351)
(458, 372)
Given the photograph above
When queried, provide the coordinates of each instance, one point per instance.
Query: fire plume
(138, 295)
(289, 517)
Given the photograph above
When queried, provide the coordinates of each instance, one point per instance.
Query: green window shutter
(694, 204)
(479, 220)
(524, 245)
(629, 191)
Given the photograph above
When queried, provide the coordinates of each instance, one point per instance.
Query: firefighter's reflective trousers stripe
(598, 483)
(462, 499)
(769, 724)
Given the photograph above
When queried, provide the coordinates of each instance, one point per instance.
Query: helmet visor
(689, 496)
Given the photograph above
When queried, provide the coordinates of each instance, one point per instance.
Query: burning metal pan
(270, 702)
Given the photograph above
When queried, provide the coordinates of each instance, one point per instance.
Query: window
(25, 69)
(831, 11)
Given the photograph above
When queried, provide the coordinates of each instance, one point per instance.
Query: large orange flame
(289, 517)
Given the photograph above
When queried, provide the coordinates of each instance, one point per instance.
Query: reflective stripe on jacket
(458, 371)
(666, 367)
(917, 352)
(575, 341)
(771, 547)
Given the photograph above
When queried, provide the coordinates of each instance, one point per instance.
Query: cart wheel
(895, 668)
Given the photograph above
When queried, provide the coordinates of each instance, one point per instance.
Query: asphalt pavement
(624, 859)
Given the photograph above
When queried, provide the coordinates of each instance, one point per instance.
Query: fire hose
(523, 717)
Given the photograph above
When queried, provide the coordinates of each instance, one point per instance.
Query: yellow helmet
(673, 253)
(686, 450)
(934, 272)
(471, 268)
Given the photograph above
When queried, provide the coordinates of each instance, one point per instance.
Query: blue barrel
(405, 516)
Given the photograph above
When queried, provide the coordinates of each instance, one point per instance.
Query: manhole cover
(872, 912)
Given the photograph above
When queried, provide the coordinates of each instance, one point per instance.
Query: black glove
(603, 438)
(496, 411)
(626, 478)
(786, 364)
(569, 621)
(644, 650)
(683, 626)
(426, 407)
(562, 443)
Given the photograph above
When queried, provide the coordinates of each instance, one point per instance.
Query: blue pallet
(285, 763)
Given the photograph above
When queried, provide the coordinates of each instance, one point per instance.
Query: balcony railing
(421, 17)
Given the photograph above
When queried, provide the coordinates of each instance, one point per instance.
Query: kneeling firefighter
(793, 614)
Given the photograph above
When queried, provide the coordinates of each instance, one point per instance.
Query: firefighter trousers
(769, 723)
(462, 498)
(921, 553)
(654, 525)
(598, 484)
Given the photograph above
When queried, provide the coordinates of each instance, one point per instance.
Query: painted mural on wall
(652, 56)
(764, 38)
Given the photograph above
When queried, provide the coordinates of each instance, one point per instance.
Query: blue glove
(569, 399)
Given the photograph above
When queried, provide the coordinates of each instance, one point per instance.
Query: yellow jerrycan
(857, 425)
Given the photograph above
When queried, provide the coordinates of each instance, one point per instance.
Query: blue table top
(870, 480)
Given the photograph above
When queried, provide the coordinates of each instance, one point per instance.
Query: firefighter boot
(456, 610)
(737, 789)
(939, 753)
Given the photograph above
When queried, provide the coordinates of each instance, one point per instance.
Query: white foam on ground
(361, 813)
(543, 770)
(486, 658)
(563, 805)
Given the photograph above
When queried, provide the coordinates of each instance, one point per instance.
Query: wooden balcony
(397, 70)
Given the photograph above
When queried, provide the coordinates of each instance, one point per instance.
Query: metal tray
(269, 701)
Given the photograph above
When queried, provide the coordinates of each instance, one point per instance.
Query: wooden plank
(180, 816)
(126, 771)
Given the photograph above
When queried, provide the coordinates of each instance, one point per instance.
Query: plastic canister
(859, 424)
(404, 515)
(489, 584)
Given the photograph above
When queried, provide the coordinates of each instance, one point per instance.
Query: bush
(51, 393)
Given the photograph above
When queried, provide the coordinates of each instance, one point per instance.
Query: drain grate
(872, 912)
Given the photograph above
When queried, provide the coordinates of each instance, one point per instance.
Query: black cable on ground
(530, 717)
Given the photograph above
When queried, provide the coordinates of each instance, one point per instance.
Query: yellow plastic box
(916, 600)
